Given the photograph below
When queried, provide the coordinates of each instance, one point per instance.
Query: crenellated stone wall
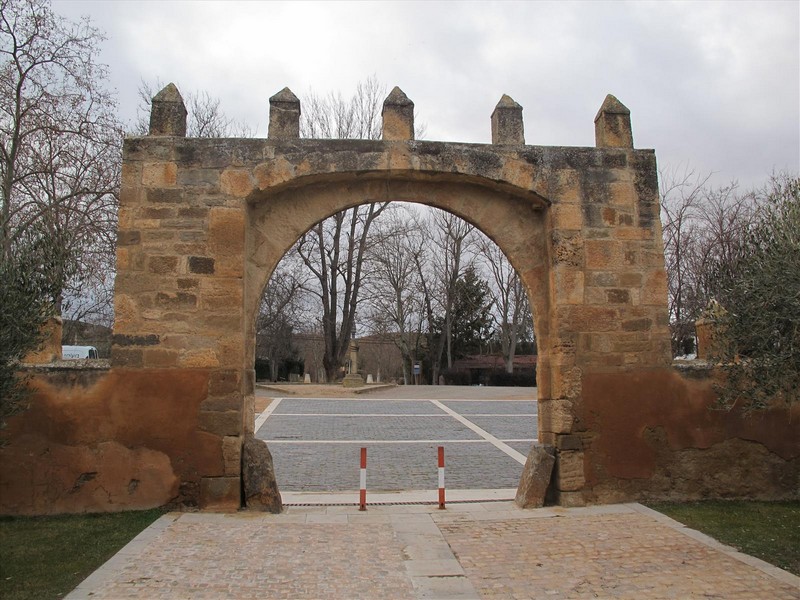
(203, 223)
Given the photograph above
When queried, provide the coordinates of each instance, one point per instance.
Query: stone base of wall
(97, 440)
(655, 435)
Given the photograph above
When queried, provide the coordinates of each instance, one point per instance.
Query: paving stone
(500, 407)
(274, 560)
(354, 427)
(611, 552)
(335, 467)
(601, 555)
(508, 427)
(349, 406)
(302, 466)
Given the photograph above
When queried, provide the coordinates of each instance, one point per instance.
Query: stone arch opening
(516, 225)
(513, 220)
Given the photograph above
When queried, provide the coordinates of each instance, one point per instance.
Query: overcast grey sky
(713, 86)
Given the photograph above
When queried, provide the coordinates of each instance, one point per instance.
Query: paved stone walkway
(315, 443)
(480, 550)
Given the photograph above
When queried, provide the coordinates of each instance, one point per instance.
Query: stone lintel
(507, 126)
(284, 116)
(398, 116)
(168, 113)
(612, 125)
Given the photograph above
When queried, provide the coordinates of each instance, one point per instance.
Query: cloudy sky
(712, 86)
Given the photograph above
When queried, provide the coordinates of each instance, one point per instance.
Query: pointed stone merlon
(284, 116)
(168, 113)
(612, 125)
(398, 116)
(507, 127)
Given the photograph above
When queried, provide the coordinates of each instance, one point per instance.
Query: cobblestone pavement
(479, 550)
(315, 443)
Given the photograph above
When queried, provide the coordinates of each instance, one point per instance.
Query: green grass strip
(767, 530)
(47, 557)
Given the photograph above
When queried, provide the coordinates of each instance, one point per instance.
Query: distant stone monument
(353, 378)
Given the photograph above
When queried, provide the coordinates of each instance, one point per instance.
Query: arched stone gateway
(204, 222)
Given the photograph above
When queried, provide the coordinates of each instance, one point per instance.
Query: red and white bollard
(441, 477)
(362, 493)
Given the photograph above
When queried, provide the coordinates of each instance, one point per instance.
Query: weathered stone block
(232, 455)
(176, 300)
(258, 474)
(199, 358)
(603, 254)
(187, 283)
(221, 294)
(226, 231)
(618, 296)
(201, 265)
(568, 249)
(162, 196)
(569, 442)
(556, 416)
(124, 357)
(571, 476)
(536, 477)
(163, 265)
(571, 499)
(224, 382)
(236, 182)
(637, 325)
(129, 238)
(159, 175)
(654, 290)
(221, 494)
(150, 339)
(568, 285)
(567, 216)
(221, 423)
(159, 358)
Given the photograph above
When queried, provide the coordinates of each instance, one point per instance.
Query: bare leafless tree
(702, 227)
(438, 272)
(334, 251)
(511, 313)
(333, 117)
(280, 313)
(60, 140)
(395, 304)
(59, 173)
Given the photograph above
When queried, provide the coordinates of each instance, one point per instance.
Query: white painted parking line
(398, 415)
(359, 415)
(267, 412)
(517, 456)
(437, 441)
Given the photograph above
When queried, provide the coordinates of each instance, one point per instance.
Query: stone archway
(203, 222)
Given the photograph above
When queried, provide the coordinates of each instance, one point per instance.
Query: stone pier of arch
(203, 223)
